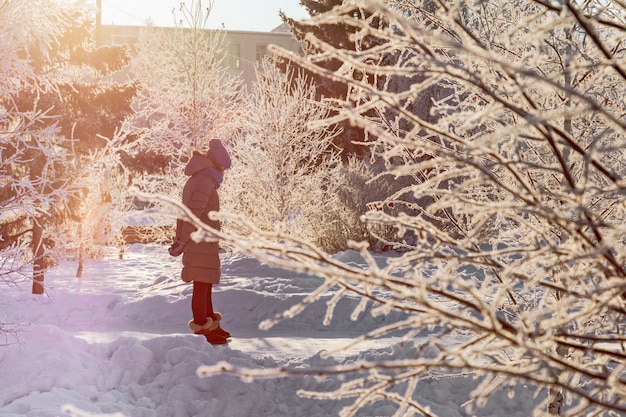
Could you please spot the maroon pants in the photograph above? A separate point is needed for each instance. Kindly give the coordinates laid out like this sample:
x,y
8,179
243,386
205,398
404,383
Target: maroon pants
x,y
201,302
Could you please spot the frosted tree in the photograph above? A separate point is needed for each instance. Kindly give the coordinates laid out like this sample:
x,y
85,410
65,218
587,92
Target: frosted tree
x,y
27,139
509,118
91,110
286,177
84,110
58,116
190,95
30,149
186,98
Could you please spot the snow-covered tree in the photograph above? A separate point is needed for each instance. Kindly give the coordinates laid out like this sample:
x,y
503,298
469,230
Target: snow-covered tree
x,y
186,98
517,171
91,110
187,95
57,113
285,175
29,146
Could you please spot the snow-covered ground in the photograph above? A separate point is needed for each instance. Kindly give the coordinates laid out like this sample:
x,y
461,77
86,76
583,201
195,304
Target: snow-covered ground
x,y
116,342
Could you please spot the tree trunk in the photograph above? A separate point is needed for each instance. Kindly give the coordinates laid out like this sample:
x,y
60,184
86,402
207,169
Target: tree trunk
x,y
39,265
555,406
81,252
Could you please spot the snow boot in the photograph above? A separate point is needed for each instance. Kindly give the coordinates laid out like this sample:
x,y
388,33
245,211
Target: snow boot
x,y
219,330
208,330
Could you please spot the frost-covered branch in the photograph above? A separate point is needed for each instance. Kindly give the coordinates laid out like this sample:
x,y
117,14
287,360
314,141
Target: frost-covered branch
x,y
508,120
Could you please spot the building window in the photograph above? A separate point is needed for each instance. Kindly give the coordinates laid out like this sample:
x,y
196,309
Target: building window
x,y
234,56
261,51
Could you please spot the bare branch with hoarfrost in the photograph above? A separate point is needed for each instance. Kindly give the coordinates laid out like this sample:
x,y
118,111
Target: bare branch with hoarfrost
x,y
509,120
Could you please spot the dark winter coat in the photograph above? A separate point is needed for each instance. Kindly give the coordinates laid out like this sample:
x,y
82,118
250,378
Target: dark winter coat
x,y
201,260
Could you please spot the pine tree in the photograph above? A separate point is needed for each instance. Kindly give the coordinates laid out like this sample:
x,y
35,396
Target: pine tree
x,y
338,36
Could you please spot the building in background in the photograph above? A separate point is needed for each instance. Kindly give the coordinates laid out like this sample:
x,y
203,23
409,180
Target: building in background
x,y
245,49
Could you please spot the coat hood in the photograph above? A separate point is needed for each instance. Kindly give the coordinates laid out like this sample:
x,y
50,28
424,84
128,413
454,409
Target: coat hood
x,y
197,163
219,155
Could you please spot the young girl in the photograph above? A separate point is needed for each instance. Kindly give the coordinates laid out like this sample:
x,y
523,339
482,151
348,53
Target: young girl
x,y
201,262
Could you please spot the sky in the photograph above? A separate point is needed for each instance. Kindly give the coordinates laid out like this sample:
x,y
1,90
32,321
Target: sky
x,y
250,15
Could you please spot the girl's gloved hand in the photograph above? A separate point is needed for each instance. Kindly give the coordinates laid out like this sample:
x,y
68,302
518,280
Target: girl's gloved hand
x,y
176,249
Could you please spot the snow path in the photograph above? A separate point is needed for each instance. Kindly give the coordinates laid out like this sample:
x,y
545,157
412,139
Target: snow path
x,y
280,348
116,342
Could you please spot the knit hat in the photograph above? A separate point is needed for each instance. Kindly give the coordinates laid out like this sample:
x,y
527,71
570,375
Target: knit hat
x,y
218,154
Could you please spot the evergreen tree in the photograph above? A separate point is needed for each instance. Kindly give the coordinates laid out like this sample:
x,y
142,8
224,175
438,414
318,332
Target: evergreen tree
x,y
337,36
